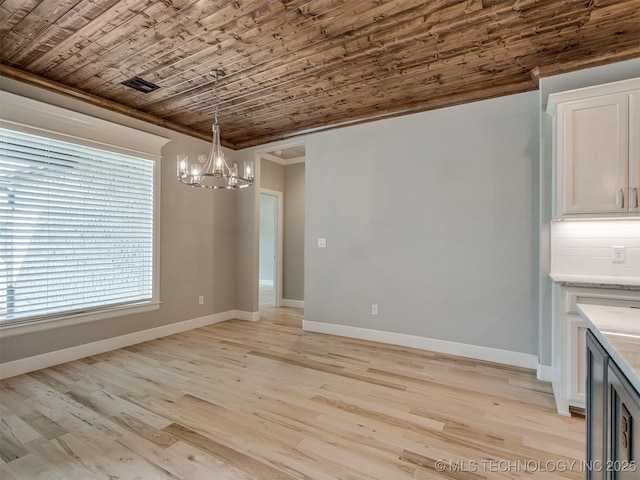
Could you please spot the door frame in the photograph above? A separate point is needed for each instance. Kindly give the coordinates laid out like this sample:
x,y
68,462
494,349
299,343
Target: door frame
x,y
279,240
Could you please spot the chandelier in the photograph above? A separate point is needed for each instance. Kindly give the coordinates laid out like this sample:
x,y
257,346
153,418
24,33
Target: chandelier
x,y
212,171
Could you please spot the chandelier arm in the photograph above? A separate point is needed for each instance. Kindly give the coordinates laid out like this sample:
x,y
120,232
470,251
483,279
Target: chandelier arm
x,y
228,177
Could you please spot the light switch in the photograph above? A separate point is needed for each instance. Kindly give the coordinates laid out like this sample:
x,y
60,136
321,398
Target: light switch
x,y
322,243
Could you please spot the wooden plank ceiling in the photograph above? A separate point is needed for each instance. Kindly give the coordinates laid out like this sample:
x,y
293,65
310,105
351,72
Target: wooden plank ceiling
x,y
295,66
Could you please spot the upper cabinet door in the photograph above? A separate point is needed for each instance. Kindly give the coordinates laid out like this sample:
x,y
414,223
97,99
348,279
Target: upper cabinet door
x,y
593,147
634,152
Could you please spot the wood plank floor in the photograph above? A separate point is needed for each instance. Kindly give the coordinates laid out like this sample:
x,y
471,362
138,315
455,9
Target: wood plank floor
x,y
264,400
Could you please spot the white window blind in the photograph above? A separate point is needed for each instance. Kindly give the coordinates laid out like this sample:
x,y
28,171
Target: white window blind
x,y
76,229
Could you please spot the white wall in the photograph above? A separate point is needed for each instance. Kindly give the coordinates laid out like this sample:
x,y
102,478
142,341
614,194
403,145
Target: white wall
x,y
584,247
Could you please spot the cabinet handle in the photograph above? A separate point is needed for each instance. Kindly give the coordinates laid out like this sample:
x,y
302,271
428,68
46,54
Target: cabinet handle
x,y
635,197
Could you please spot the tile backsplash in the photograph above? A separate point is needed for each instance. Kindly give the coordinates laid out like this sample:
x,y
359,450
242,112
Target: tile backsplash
x,y
584,247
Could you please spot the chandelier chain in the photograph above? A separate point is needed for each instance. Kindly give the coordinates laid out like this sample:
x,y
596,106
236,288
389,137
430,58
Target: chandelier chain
x,y
216,95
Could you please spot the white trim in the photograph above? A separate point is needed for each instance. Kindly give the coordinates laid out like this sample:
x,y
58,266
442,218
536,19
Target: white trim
x,y
477,352
32,116
282,161
279,239
157,214
57,322
49,359
35,117
623,86
246,316
292,303
544,373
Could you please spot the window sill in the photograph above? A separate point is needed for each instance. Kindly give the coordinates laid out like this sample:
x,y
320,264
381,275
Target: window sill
x,y
66,321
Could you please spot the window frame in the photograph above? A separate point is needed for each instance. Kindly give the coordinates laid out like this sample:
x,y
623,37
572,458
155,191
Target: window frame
x,y
31,116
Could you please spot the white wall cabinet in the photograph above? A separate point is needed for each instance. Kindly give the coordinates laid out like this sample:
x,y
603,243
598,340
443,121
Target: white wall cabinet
x,y
569,354
634,152
597,149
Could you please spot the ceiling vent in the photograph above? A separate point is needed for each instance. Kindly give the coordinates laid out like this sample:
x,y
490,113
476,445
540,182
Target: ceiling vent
x,y
141,85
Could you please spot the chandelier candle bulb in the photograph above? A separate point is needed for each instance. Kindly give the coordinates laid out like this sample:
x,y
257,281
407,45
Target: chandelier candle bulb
x,y
182,166
233,175
213,171
218,170
248,169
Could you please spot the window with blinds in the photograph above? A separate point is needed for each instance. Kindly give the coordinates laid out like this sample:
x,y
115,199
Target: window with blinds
x,y
76,229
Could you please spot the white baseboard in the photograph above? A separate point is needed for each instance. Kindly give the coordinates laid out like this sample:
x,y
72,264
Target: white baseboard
x,y
292,303
247,316
49,359
477,352
545,373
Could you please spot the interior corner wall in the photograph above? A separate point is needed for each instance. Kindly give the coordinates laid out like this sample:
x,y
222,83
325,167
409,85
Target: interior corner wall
x,y
559,83
433,217
289,179
268,234
197,246
294,220
271,175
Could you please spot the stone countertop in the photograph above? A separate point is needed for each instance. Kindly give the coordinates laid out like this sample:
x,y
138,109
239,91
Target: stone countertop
x,y
596,281
618,330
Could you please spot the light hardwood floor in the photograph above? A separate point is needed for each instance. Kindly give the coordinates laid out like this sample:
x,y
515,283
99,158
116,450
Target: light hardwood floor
x,y
264,400
267,297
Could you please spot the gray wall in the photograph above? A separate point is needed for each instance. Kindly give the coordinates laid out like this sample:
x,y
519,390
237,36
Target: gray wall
x,y
549,85
268,214
437,217
271,175
289,179
197,246
432,216
294,215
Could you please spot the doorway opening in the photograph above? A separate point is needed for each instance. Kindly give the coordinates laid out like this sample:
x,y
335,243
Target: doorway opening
x,y
281,227
270,266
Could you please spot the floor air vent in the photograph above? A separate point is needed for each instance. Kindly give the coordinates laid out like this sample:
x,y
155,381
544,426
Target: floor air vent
x,y
141,85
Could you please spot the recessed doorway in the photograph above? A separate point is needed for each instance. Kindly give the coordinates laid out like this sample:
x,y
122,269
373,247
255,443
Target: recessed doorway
x,y
270,266
281,227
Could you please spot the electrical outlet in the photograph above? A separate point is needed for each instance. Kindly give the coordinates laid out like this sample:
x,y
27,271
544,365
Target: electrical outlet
x,y
322,243
617,254
201,300
374,309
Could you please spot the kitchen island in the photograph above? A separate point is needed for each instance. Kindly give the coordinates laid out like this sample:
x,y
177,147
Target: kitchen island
x,y
613,383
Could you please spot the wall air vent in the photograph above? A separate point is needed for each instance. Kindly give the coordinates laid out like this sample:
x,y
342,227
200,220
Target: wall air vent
x,y
141,85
